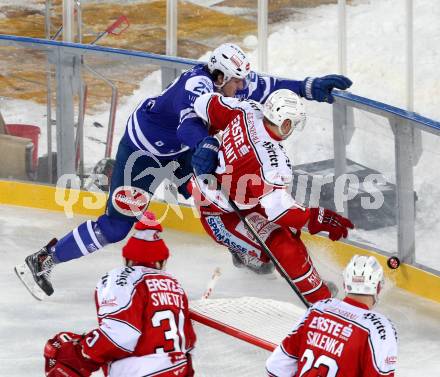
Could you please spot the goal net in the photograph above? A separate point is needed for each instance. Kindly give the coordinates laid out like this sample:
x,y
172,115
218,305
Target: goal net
x,y
236,336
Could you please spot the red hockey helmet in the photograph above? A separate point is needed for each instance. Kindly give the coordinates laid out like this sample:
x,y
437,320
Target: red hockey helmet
x,y
146,245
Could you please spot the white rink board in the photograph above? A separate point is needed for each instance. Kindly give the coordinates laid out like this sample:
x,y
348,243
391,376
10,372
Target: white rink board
x,y
26,324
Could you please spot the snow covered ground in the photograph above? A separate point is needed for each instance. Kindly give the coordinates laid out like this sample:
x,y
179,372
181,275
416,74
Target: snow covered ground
x,y
26,324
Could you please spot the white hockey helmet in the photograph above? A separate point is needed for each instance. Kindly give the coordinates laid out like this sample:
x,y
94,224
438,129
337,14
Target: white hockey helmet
x,y
363,276
230,60
284,104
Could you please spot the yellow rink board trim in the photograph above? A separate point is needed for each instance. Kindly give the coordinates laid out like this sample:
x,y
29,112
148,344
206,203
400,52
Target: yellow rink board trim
x,y
89,204
185,218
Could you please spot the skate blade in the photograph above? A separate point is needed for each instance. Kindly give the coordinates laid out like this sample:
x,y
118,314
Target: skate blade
x,y
25,275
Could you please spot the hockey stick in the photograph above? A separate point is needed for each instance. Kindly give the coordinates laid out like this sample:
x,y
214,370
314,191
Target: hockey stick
x,y
212,283
116,28
264,247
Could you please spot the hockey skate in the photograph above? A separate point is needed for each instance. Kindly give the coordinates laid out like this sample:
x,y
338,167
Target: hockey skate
x,y
35,272
236,261
263,269
253,264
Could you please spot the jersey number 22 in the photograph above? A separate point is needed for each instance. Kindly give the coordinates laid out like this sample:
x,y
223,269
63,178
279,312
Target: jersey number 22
x,y
324,366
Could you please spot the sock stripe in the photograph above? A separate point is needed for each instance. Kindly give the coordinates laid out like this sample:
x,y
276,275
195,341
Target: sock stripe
x,y
79,242
93,235
302,277
313,289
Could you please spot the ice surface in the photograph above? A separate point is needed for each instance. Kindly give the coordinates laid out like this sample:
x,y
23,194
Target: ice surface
x,y
25,324
376,65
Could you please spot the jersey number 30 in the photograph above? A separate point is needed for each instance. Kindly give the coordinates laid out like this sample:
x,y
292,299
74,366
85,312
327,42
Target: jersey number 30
x,y
324,366
176,331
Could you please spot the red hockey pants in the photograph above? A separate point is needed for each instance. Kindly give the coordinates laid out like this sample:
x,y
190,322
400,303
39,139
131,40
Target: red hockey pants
x,y
288,249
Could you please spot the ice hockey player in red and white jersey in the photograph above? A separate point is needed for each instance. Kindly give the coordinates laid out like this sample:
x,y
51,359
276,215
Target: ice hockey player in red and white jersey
x,y
253,167
341,338
144,326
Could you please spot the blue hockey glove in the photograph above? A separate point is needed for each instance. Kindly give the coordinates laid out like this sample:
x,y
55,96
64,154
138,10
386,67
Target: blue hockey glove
x,y
320,88
205,156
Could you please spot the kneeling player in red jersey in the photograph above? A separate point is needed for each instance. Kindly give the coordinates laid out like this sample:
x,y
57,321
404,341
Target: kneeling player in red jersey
x,y
144,326
251,164
341,338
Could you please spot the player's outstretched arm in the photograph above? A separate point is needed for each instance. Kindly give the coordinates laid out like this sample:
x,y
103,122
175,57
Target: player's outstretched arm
x,y
260,86
311,88
282,209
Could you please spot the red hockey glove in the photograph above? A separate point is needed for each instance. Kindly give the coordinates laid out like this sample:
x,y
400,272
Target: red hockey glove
x,y
176,357
325,220
64,357
60,370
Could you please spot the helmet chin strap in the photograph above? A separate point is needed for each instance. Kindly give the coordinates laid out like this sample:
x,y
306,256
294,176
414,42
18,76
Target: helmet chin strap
x,y
376,296
219,87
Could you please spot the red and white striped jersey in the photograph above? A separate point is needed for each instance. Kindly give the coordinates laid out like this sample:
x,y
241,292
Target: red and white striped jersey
x,y
337,339
253,166
141,312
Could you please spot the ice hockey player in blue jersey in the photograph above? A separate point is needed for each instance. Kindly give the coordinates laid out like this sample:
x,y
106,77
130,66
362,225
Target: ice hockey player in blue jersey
x,y
158,144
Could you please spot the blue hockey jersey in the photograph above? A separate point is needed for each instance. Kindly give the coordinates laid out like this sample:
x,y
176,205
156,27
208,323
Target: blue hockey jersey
x,y
167,125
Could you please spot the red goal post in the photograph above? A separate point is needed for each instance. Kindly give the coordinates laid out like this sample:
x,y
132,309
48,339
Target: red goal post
x,y
230,330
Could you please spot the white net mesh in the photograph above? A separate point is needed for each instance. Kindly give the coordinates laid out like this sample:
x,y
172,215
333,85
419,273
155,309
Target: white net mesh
x,y
220,354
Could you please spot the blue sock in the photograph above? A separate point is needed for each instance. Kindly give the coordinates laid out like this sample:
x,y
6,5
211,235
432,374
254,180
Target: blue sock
x,y
89,237
81,241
